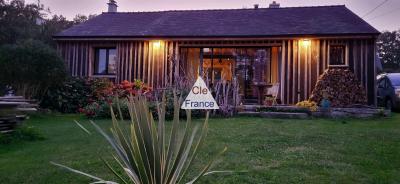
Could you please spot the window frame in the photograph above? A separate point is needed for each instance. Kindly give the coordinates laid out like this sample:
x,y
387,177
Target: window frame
x,y
96,61
345,55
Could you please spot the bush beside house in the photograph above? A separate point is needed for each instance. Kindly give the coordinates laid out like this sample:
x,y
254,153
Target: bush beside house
x,y
68,96
30,68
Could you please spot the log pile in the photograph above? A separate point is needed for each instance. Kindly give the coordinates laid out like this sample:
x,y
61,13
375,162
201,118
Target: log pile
x,y
12,112
341,87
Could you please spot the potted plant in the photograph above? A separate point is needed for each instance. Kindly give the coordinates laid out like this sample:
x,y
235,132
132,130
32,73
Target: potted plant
x,y
269,101
325,102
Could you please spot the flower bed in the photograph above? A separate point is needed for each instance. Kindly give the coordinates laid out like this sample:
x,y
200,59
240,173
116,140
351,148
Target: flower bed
x,y
106,94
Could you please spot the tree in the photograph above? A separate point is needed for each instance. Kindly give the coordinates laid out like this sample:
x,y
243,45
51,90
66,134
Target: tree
x,y
18,21
53,26
82,18
389,50
27,63
30,67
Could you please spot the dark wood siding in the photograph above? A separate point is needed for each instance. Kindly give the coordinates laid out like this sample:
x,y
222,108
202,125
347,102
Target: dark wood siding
x,y
135,59
302,65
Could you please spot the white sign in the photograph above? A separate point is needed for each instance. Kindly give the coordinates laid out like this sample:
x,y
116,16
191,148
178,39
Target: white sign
x,y
199,97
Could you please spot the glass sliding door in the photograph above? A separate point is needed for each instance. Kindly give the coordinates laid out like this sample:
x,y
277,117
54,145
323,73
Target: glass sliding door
x,y
251,70
218,64
251,66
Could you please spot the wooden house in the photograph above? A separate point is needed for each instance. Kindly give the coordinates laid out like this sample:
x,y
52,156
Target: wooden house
x,y
291,46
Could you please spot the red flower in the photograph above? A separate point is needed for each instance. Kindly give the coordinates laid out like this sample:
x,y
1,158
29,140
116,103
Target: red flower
x,y
81,110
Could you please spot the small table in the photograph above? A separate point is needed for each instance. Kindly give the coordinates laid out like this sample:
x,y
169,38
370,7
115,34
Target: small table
x,y
260,86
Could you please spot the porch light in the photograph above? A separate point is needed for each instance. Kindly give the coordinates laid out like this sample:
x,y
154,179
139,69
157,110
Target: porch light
x,y
306,42
157,44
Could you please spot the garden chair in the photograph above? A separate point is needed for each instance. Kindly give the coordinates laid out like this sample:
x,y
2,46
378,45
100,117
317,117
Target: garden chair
x,y
273,92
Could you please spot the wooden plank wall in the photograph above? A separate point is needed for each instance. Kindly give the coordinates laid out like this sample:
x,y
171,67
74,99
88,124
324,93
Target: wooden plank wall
x,y
302,65
144,60
76,56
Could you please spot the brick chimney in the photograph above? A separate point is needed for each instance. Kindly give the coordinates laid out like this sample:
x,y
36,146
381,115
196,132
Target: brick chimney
x,y
274,5
256,6
112,6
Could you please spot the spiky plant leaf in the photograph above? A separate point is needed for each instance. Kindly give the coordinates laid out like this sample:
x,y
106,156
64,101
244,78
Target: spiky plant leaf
x,y
143,150
98,180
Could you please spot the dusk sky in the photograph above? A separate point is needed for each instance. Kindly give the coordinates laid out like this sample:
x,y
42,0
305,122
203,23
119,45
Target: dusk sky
x,y
385,17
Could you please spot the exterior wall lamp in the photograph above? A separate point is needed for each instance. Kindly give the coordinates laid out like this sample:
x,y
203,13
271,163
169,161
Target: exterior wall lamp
x,y
306,42
157,44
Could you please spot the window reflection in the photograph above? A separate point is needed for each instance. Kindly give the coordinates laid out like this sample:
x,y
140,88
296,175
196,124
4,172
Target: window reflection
x,y
112,61
105,61
337,55
250,66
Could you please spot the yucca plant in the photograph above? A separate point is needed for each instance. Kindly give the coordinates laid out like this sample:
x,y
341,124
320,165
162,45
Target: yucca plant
x,y
146,153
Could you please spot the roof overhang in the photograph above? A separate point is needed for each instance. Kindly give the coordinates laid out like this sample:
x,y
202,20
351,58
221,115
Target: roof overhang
x,y
250,37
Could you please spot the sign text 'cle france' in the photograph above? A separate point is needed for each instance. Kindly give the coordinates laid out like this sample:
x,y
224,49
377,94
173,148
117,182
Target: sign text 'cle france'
x,y
199,97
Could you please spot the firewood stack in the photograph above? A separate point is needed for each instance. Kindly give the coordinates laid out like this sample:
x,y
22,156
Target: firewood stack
x,y
13,110
342,88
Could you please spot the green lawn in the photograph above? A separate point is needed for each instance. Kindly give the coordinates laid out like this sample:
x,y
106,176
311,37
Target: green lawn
x,y
272,151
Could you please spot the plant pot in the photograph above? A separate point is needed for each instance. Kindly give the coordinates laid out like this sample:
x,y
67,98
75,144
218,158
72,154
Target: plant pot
x,y
268,102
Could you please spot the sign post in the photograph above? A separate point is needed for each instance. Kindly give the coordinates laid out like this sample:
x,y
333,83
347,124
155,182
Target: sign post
x,y
199,97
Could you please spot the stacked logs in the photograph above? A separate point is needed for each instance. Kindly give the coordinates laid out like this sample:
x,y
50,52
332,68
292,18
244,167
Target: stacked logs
x,y
341,87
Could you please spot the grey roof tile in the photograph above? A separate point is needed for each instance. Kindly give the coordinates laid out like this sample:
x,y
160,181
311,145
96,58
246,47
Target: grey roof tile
x,y
319,20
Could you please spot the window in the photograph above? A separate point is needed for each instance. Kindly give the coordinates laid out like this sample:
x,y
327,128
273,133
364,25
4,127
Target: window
x,y
105,61
337,55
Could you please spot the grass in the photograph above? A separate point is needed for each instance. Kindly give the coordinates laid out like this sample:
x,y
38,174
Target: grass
x,y
271,150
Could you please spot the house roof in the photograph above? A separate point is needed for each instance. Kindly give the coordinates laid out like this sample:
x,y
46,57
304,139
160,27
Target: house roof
x,y
261,22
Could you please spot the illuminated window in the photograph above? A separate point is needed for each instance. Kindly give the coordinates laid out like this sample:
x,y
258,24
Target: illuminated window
x,y
337,55
105,61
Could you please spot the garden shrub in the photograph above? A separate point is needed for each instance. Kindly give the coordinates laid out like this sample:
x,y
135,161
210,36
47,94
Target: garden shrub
x,y
69,96
342,88
101,109
93,97
311,105
106,94
101,89
76,93
126,88
30,68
